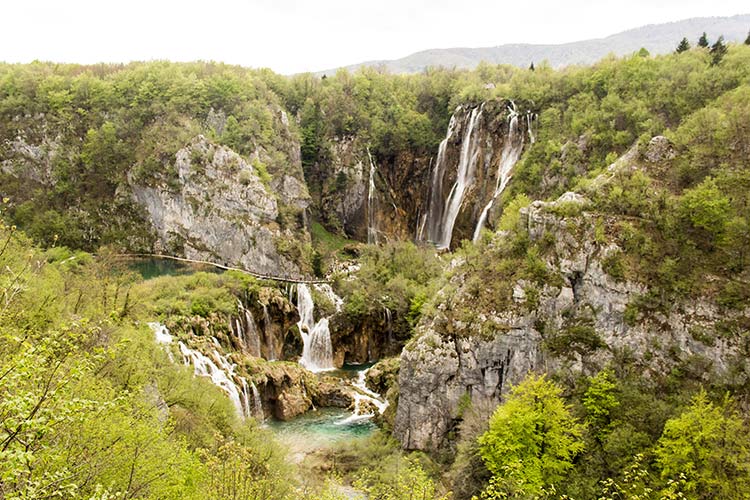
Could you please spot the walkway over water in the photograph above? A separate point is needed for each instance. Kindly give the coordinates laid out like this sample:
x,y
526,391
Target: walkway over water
x,y
283,279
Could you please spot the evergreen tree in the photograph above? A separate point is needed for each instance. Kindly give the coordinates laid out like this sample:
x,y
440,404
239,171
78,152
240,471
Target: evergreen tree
x,y
718,51
747,40
703,41
683,46
532,65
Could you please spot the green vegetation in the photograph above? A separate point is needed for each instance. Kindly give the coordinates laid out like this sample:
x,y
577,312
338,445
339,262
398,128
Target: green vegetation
x,y
531,442
91,407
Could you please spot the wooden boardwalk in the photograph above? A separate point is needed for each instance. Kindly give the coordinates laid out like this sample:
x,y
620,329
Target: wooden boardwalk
x,y
283,279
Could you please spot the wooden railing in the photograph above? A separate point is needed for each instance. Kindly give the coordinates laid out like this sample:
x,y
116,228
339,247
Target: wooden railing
x,y
283,279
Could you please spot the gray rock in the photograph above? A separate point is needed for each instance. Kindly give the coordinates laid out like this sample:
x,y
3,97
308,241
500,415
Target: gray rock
x,y
219,209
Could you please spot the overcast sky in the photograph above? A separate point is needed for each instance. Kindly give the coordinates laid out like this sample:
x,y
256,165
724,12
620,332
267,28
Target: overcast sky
x,y
292,36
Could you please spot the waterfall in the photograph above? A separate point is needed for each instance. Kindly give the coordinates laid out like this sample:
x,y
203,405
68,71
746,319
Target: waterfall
x,y
163,338
435,211
220,371
464,179
257,404
442,215
273,353
372,231
363,394
529,119
221,377
510,155
250,336
317,351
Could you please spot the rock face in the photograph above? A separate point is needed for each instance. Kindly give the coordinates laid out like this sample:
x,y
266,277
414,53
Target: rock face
x,y
218,208
449,363
402,195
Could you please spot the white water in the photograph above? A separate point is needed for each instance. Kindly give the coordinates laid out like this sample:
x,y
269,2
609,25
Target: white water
x,y
273,351
249,335
220,372
510,155
529,118
317,351
464,179
222,378
372,230
364,394
435,212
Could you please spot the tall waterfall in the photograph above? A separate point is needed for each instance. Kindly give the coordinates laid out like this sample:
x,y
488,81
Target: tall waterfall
x,y
435,212
441,230
219,369
372,230
510,155
317,351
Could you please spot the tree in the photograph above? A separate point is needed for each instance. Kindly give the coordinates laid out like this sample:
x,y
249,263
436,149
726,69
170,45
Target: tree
x,y
747,40
684,46
531,67
718,51
532,439
709,445
703,41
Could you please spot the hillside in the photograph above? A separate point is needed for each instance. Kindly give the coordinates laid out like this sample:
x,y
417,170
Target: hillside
x,y
656,38
490,283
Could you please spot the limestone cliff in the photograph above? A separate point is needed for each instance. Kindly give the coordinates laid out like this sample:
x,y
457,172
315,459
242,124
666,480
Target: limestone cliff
x,y
220,208
577,319
437,195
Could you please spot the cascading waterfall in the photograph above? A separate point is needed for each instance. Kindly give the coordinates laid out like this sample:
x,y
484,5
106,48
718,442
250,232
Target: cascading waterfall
x,y
317,351
510,155
464,179
372,230
249,334
222,374
529,119
273,353
437,203
441,228
363,394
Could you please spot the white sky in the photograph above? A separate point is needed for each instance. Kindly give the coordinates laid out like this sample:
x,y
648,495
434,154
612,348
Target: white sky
x,y
292,36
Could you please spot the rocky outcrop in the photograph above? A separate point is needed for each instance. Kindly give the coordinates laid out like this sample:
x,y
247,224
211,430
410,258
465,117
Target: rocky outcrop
x,y
577,321
219,207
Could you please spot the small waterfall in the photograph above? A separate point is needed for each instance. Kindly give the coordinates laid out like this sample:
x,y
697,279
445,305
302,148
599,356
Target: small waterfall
x,y
221,372
529,119
317,351
250,336
273,353
372,230
221,377
257,404
510,155
363,394
163,338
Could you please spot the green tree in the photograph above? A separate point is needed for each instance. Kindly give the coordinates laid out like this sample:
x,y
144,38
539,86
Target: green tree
x,y
709,444
683,46
718,51
600,400
532,439
706,212
747,40
703,41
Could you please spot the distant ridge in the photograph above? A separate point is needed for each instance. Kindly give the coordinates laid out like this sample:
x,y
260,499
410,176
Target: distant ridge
x,y
656,38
